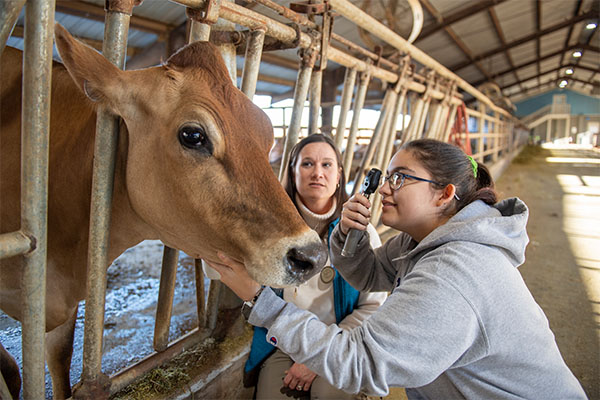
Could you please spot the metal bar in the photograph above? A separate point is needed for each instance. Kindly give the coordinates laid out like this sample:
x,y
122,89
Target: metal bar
x,y
212,304
228,50
424,114
200,293
164,305
35,133
302,83
105,149
126,376
415,120
252,62
314,107
253,20
365,21
390,98
359,102
15,243
199,32
345,102
9,13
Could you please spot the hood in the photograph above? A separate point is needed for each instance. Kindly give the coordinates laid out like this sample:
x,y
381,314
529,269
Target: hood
x,y
502,225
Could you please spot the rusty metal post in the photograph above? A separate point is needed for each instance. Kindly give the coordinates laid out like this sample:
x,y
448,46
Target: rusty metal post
x,y
388,102
35,133
9,13
302,83
164,305
200,293
388,152
252,62
228,50
212,304
107,131
449,122
314,107
359,102
345,102
15,243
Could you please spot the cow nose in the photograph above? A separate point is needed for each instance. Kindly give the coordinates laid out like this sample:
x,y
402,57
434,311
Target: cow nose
x,y
306,261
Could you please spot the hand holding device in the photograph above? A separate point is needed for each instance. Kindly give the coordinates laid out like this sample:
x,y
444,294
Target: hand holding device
x,y
370,184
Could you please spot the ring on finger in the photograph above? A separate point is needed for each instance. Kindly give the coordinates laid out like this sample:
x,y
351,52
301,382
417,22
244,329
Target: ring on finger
x,y
299,387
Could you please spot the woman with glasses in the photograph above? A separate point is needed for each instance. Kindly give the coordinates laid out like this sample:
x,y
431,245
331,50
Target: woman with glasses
x,y
459,322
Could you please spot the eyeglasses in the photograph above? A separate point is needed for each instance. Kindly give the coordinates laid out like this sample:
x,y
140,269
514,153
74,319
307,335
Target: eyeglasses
x,y
396,181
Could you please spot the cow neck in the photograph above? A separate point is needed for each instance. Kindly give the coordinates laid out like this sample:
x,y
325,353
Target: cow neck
x,y
317,222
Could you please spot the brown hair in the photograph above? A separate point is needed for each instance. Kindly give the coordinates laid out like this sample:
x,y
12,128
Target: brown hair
x,y
289,183
448,164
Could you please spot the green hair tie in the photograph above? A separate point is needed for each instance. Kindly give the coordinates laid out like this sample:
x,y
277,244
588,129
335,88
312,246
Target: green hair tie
x,y
473,165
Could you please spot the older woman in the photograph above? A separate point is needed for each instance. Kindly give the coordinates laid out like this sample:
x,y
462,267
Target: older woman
x,y
314,180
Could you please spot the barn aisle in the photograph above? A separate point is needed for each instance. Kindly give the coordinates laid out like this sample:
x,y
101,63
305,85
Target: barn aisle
x,y
561,186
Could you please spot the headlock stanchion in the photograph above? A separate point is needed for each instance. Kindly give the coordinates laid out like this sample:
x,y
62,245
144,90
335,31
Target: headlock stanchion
x,y
311,32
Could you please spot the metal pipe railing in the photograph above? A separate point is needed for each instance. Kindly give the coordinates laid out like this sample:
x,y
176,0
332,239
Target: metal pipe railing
x,y
314,107
105,149
388,101
9,13
166,291
35,134
367,22
345,102
252,62
300,92
359,102
15,243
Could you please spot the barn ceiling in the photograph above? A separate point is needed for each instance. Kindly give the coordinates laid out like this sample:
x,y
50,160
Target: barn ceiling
x,y
524,47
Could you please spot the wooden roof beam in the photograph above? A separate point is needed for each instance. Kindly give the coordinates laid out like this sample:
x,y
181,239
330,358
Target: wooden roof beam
x,y
538,27
539,75
533,36
528,63
500,34
443,22
570,32
461,45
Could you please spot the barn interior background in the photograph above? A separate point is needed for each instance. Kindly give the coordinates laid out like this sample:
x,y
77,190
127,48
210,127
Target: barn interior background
x,y
488,75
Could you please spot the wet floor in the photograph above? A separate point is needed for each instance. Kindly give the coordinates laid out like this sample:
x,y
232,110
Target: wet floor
x,y
132,292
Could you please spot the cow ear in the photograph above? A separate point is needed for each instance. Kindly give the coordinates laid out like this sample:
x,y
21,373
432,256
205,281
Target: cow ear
x,y
99,79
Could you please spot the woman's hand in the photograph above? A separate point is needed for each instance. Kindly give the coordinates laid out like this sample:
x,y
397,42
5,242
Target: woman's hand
x,y
299,377
356,213
235,275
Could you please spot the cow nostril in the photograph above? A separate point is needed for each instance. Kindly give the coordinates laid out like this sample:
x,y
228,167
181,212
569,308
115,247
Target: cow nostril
x,y
304,262
298,263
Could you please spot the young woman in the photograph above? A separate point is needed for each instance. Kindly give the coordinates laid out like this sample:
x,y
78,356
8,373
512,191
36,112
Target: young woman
x,y
459,322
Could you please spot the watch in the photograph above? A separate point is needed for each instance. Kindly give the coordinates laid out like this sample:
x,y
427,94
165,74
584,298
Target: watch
x,y
248,305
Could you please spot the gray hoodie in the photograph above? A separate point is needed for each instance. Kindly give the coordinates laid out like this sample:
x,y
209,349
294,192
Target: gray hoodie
x,y
459,323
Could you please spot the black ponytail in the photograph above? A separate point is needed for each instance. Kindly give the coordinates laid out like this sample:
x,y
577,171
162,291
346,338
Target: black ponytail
x,y
448,164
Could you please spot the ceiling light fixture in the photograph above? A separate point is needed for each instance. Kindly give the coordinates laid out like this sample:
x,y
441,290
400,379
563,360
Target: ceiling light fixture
x,y
577,54
569,71
591,25
563,83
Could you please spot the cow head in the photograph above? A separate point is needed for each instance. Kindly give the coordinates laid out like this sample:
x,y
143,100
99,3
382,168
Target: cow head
x,y
197,166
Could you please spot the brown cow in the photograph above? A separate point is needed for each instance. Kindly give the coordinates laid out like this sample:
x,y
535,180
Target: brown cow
x,y
192,170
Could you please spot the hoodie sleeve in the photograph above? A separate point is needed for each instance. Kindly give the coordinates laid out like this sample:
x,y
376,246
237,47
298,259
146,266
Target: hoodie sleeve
x,y
369,270
423,328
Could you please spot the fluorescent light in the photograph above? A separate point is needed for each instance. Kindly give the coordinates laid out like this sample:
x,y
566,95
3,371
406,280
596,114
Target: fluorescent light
x,y
569,71
576,54
591,25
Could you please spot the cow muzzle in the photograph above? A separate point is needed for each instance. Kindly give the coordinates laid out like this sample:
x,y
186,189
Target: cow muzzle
x,y
303,262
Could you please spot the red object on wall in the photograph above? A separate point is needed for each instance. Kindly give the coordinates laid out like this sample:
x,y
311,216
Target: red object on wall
x,y
461,126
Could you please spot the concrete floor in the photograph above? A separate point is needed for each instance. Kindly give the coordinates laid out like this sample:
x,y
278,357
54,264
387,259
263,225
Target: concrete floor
x,y
561,186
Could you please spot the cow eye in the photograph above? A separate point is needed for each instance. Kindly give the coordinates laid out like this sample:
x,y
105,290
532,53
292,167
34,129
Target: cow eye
x,y
194,137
